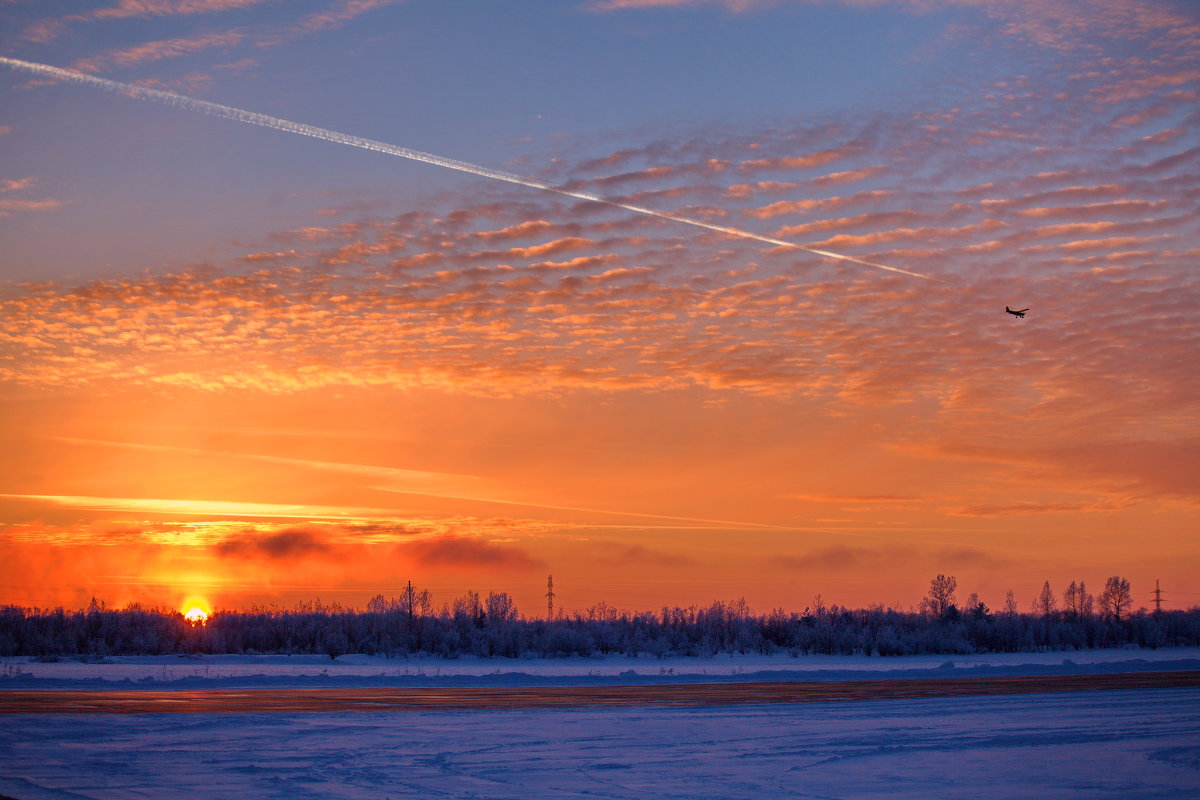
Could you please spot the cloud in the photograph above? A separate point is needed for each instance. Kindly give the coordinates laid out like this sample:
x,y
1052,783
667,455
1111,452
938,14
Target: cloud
x,y
1060,25
808,205
43,31
160,50
500,293
843,558
335,15
285,545
11,203
206,508
857,499
838,558
848,176
807,161
970,557
164,8
47,30
339,13
463,552
735,6
521,230
1024,509
1112,208
622,554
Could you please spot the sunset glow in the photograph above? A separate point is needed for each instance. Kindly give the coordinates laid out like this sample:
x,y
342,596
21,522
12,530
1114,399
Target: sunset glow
x,y
196,615
269,369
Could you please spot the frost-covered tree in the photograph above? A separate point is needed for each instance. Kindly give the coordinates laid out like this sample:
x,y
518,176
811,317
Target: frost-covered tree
x,y
500,607
941,595
1116,597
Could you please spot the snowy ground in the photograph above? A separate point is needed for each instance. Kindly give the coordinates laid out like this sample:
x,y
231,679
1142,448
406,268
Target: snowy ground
x,y
192,672
1141,744
1113,744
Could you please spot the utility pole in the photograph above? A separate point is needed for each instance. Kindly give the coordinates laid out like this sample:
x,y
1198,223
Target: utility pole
x,y
408,601
549,597
1157,598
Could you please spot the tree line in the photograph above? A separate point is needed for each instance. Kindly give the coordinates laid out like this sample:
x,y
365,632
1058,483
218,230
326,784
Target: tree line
x,y
491,625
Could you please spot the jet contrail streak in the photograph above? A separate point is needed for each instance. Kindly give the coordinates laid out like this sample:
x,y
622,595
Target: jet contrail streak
x,y
266,121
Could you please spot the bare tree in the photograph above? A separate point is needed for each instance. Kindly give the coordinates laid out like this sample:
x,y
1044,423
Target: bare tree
x,y
1076,601
1087,603
941,595
1116,597
1010,604
1070,600
1045,603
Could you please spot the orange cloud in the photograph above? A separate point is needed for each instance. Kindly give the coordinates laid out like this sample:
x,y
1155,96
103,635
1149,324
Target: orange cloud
x,y
808,161
823,204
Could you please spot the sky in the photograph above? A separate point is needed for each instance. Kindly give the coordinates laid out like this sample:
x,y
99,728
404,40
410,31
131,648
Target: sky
x,y
253,368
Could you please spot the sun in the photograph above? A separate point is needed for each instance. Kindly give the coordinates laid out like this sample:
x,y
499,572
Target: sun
x,y
195,611
196,615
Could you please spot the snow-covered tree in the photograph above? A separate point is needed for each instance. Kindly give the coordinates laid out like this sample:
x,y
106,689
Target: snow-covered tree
x,y
1116,597
941,595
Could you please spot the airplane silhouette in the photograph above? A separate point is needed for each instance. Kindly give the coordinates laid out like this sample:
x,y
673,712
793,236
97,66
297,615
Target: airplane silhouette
x,y
1020,313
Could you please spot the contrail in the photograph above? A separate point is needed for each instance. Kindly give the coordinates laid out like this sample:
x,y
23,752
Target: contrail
x,y
266,121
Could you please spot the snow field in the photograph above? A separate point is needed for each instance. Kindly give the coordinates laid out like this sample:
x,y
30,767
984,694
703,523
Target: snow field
x,y
1113,744
1093,745
160,672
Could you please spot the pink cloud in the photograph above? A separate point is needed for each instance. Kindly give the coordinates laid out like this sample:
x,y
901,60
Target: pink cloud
x,y
812,205
160,50
339,13
164,8
11,203
808,161
848,176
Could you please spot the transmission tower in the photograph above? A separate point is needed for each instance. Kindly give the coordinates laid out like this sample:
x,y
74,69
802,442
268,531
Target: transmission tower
x,y
549,597
1157,597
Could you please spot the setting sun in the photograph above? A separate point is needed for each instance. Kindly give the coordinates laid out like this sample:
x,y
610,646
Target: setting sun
x,y
196,615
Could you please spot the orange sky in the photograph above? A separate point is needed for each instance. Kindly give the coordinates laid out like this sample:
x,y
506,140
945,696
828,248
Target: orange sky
x,y
472,385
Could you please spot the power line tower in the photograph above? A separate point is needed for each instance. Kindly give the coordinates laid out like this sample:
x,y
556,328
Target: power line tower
x,y
1157,598
550,597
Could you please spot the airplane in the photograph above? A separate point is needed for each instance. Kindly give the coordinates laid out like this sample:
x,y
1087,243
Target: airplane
x,y
1020,313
